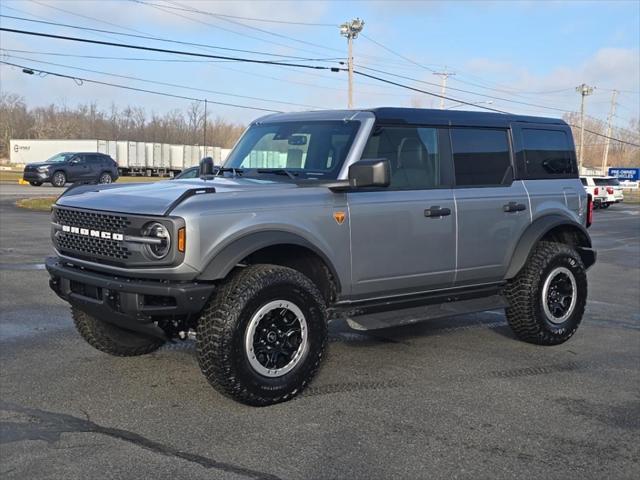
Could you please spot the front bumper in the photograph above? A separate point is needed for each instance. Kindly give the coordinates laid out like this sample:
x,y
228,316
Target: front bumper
x,y
36,176
129,303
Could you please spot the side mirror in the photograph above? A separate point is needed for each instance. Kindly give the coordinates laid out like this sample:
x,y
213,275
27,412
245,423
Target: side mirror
x,y
74,161
370,173
206,167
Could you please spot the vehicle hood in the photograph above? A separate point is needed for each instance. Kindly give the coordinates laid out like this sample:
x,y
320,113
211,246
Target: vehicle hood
x,y
42,164
158,198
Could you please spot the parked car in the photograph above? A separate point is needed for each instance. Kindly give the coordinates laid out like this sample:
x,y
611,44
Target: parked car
x,y
380,217
191,172
598,193
72,167
612,188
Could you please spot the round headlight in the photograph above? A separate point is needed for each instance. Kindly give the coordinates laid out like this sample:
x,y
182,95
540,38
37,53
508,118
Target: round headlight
x,y
160,239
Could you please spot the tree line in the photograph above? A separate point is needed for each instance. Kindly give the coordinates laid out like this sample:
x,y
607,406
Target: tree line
x,y
88,121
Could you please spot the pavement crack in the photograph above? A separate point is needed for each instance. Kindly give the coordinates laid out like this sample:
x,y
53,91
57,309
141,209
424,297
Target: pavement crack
x,y
36,424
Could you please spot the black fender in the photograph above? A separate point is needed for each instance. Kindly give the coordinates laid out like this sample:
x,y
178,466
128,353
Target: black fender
x,y
538,229
232,254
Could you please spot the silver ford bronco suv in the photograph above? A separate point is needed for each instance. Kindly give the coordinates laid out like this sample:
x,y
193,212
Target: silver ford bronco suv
x,y
379,217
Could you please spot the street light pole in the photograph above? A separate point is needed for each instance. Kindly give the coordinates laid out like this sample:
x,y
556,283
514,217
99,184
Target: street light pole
x,y
351,30
584,90
204,134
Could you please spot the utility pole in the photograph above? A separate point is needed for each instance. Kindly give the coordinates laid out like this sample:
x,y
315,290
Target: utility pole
x,y
612,113
584,90
443,84
351,30
204,133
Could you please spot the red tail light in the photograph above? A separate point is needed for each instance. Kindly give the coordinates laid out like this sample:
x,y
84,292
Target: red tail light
x,y
610,190
595,191
589,210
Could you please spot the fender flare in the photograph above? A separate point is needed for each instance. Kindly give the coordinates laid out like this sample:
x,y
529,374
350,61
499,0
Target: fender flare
x,y
536,230
230,255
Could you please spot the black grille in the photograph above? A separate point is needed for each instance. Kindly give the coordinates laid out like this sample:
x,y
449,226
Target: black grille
x,y
92,246
88,246
91,220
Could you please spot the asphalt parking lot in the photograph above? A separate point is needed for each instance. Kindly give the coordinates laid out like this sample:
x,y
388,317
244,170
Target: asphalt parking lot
x,y
451,398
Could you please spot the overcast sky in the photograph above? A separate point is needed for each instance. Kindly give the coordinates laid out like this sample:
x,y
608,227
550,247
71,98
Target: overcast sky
x,y
533,52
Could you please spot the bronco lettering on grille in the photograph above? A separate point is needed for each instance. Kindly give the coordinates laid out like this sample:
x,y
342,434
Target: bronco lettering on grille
x,y
93,233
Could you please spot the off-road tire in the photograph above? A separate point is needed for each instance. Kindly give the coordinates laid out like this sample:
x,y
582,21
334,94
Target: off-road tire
x,y
58,179
525,313
110,339
35,184
223,324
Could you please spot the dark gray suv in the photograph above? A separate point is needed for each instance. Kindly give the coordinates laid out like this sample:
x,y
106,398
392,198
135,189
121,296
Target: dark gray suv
x,y
90,167
378,217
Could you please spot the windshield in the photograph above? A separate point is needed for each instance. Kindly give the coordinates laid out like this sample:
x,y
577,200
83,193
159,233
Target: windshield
x,y
303,149
60,157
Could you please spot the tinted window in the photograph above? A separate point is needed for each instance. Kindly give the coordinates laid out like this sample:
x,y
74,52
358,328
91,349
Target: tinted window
x,y
547,153
606,182
481,156
584,181
93,159
414,155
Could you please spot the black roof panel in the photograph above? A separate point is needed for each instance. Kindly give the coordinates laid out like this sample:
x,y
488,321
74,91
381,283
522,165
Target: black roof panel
x,y
456,117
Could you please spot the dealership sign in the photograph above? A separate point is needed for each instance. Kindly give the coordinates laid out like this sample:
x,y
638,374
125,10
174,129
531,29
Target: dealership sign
x,y
628,174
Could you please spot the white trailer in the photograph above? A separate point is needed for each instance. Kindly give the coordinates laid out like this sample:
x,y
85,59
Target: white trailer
x,y
176,162
108,147
29,151
134,158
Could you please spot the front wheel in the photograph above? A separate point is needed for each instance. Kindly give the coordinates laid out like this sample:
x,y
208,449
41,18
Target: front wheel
x,y
59,179
262,336
548,296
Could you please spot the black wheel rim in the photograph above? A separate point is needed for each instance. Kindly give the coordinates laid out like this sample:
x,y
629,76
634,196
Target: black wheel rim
x,y
559,295
276,338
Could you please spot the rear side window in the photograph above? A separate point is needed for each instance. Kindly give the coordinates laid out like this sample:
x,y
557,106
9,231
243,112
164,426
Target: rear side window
x,y
93,159
481,157
584,181
547,153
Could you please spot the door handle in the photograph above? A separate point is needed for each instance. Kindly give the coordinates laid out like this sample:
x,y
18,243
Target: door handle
x,y
436,212
514,207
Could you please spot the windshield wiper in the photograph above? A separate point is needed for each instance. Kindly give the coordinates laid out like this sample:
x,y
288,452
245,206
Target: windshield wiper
x,y
234,171
278,171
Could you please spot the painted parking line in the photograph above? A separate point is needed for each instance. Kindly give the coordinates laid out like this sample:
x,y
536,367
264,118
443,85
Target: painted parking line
x,y
22,266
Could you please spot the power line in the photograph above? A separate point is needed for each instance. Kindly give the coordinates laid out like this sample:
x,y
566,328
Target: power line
x,y
265,20
220,17
465,91
390,82
160,39
103,57
164,8
80,80
166,84
606,136
163,50
397,54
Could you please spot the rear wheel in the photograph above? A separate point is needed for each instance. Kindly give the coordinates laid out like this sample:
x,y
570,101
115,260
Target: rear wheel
x,y
35,184
59,179
262,336
105,177
548,296
111,339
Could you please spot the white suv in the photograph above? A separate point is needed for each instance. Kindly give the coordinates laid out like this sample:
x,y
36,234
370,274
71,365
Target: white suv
x,y
611,187
598,193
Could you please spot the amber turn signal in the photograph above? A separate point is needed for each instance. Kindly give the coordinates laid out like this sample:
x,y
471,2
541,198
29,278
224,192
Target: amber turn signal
x,y
182,239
